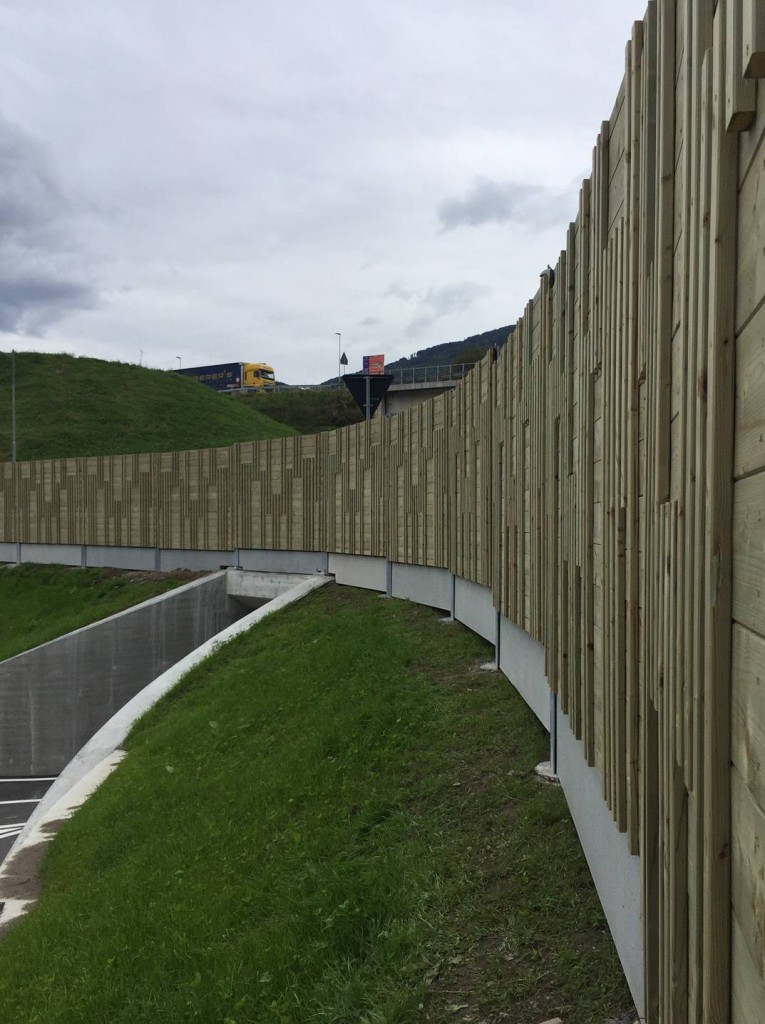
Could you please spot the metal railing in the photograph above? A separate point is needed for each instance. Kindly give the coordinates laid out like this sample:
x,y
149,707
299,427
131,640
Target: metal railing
x,y
443,374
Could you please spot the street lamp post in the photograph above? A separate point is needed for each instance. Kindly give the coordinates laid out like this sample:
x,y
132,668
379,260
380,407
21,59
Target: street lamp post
x,y
179,361
339,346
13,405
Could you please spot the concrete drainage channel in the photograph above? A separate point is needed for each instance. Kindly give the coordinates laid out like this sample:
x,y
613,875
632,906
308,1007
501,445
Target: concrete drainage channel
x,y
66,706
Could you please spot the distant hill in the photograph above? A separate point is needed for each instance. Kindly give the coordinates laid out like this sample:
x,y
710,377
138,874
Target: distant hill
x,y
445,354
68,406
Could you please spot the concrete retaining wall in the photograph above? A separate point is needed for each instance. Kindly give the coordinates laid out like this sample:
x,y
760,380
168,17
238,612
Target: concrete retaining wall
x,y
54,697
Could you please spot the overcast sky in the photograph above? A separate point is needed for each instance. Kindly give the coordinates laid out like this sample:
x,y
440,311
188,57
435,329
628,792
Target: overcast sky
x,y
241,179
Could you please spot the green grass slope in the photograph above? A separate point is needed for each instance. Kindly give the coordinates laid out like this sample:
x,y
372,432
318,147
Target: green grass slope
x,y
334,819
68,406
306,411
42,602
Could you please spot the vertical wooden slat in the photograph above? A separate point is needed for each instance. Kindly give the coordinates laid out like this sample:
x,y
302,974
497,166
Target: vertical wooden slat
x,y
719,498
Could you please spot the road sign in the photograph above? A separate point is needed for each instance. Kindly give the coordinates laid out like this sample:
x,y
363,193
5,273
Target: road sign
x,y
368,390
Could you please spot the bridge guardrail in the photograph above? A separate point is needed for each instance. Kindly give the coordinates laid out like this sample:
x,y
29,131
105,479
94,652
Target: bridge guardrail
x,y
445,373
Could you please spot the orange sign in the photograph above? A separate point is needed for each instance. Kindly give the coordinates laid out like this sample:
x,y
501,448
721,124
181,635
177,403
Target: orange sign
x,y
374,364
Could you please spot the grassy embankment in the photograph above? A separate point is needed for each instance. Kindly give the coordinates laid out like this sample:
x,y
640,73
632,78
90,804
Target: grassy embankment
x,y
335,819
308,412
42,602
68,407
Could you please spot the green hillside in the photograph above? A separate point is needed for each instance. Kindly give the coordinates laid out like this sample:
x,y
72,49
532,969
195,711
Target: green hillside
x,y
68,406
307,411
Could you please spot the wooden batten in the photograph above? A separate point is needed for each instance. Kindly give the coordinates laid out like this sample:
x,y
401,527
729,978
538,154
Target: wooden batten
x,y
753,39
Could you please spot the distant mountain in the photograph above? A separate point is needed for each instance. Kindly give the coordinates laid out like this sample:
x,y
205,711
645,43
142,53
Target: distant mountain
x,y
445,354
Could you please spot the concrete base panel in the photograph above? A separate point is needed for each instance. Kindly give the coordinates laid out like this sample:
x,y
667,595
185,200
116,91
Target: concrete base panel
x,y
615,871
170,559
474,607
8,552
52,554
522,660
359,571
423,584
145,559
141,559
284,561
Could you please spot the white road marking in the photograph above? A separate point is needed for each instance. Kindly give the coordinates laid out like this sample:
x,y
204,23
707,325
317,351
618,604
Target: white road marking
x,y
6,831
32,778
31,800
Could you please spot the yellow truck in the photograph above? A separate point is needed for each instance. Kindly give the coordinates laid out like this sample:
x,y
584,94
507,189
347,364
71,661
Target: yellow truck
x,y
233,376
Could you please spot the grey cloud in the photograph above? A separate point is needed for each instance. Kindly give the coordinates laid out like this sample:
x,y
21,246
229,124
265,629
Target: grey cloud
x,y
30,199
29,304
39,280
498,202
448,300
370,321
398,291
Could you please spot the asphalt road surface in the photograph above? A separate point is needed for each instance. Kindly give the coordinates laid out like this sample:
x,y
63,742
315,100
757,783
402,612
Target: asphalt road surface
x,y
18,798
